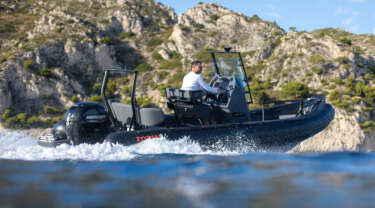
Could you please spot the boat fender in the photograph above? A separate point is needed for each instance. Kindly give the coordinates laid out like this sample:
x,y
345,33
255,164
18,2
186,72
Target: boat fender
x,y
73,126
59,130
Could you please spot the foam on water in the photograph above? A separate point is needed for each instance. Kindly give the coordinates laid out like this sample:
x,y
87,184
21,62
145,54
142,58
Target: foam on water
x,y
18,146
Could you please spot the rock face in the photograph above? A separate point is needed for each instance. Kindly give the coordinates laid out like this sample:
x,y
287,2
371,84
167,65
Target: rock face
x,y
214,26
343,134
57,57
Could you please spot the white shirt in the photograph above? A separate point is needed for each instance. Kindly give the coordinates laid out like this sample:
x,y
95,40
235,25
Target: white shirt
x,y
194,81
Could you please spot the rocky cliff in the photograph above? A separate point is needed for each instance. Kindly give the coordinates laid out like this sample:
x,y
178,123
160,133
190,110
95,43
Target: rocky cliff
x,y
53,53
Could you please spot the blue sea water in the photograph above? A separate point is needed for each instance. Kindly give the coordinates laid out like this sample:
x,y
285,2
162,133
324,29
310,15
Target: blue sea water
x,y
159,173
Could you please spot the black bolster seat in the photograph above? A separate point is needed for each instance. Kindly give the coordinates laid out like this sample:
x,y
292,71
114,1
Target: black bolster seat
x,y
148,116
187,96
188,104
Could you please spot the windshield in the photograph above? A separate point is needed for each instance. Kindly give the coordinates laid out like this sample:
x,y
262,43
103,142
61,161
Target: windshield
x,y
228,65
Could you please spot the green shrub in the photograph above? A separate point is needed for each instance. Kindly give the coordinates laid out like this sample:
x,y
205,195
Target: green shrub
x,y
259,94
70,21
154,41
33,121
368,109
212,34
203,55
345,40
317,70
126,35
60,29
144,101
255,18
198,26
368,126
161,89
76,37
316,59
368,77
321,34
185,28
74,99
343,60
359,89
126,90
17,121
174,63
356,100
214,17
46,72
2,59
95,98
347,91
162,75
144,67
11,123
338,81
176,79
358,50
277,42
157,57
106,40
249,53
251,71
334,95
27,65
343,104
97,87
111,88
50,110
324,82
331,86
294,90
369,93
7,114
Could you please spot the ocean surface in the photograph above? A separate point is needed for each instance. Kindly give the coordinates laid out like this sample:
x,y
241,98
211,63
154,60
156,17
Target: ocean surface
x,y
160,173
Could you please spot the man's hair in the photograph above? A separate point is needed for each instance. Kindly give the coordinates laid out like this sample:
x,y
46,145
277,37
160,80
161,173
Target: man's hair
x,y
194,63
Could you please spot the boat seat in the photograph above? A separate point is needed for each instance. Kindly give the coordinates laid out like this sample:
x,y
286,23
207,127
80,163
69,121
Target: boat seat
x,y
151,116
189,96
148,116
122,112
188,104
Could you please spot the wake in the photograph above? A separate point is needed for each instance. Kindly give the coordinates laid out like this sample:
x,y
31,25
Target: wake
x,y
19,146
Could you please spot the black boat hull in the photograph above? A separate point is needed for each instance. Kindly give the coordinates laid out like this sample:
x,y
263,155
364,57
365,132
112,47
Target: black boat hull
x,y
261,134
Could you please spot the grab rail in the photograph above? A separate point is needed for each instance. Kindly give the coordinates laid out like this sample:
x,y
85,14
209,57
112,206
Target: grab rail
x,y
301,104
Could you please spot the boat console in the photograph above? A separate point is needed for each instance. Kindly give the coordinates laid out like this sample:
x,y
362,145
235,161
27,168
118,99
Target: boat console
x,y
228,106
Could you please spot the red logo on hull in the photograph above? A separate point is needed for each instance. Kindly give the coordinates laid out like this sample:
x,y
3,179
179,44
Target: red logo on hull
x,y
143,138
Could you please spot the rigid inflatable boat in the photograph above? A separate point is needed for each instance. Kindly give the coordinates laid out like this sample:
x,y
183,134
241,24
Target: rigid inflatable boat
x,y
223,120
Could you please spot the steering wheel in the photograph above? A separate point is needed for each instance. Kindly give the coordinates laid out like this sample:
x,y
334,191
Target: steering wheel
x,y
221,97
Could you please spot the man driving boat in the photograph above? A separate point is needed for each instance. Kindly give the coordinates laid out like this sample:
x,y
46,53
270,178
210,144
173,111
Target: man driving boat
x,y
194,81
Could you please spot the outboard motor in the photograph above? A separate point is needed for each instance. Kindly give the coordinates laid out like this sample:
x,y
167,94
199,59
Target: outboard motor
x,y
59,130
84,122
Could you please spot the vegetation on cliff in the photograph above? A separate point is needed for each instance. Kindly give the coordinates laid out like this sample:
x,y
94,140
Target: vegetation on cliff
x,y
60,49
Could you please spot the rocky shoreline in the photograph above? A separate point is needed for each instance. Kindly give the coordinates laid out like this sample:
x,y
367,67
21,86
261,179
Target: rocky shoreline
x,y
349,137
60,56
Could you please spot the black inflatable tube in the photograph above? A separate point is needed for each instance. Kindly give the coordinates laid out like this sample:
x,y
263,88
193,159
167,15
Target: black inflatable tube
x,y
263,134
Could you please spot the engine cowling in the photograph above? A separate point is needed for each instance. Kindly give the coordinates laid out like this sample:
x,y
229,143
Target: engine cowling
x,y
86,122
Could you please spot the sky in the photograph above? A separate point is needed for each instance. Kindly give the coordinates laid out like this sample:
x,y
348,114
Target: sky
x,y
356,16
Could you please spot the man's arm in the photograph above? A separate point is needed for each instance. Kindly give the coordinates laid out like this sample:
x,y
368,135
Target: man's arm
x,y
206,87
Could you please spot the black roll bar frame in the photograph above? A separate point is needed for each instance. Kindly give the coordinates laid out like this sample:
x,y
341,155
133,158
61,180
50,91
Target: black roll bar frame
x,y
115,123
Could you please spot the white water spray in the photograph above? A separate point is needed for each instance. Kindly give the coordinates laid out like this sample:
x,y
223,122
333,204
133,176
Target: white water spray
x,y
19,146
